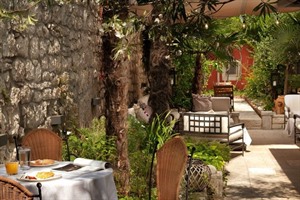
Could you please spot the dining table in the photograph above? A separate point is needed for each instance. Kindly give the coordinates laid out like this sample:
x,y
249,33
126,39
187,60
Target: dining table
x,y
69,185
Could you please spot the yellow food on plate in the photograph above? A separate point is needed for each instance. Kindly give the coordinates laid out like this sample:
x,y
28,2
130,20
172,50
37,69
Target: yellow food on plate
x,y
48,161
44,175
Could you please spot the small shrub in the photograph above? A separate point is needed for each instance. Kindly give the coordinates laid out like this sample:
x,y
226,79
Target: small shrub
x,y
139,158
142,139
210,152
93,143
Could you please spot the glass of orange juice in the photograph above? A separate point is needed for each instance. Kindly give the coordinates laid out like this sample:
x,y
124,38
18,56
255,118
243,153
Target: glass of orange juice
x,y
12,167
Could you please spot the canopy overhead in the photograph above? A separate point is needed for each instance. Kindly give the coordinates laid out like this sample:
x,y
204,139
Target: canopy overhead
x,y
241,7
230,9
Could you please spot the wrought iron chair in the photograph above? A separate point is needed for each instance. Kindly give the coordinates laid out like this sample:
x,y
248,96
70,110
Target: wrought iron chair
x,y
44,144
291,107
12,190
296,128
171,163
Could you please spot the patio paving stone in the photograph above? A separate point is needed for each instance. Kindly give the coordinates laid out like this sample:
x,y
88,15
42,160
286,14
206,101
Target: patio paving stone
x,y
270,169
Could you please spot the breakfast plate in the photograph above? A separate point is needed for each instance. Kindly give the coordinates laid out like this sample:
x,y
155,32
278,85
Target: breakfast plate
x,y
43,163
39,176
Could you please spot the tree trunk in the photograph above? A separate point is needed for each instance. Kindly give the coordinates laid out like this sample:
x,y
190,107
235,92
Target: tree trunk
x,y
197,84
160,85
116,107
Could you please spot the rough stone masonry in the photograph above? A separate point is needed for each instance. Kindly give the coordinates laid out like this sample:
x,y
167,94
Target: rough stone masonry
x,y
51,68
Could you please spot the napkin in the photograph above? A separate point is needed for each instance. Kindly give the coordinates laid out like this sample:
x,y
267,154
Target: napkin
x,y
92,163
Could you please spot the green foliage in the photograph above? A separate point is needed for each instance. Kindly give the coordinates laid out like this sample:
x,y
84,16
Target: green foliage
x,y
141,141
126,31
286,42
21,18
140,159
24,16
160,129
215,45
184,76
185,67
259,81
210,152
294,81
276,46
93,143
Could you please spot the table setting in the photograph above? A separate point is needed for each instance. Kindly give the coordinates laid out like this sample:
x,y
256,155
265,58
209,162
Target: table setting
x,y
63,180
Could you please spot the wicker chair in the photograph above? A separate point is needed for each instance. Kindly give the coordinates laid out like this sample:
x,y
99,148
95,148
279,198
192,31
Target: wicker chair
x,y
171,163
44,144
12,190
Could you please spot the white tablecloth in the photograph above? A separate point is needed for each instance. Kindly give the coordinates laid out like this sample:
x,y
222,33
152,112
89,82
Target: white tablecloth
x,y
247,138
97,185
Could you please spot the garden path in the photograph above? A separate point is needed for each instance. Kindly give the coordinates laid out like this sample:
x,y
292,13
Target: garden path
x,y
270,169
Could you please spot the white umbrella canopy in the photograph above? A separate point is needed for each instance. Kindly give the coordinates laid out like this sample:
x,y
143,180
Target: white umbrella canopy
x,y
229,9
242,7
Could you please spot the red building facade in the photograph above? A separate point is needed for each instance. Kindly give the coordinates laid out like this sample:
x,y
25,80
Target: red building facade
x,y
236,72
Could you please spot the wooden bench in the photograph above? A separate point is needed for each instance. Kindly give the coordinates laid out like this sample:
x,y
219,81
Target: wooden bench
x,y
212,127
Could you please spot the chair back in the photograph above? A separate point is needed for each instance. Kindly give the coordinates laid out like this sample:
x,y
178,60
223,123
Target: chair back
x,y
225,91
171,163
44,144
292,102
12,190
221,104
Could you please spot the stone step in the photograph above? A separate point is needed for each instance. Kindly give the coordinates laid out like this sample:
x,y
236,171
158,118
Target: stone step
x,y
278,121
277,126
251,123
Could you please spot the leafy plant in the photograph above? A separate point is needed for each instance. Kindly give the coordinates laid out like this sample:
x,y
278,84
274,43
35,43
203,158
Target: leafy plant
x,y
210,152
294,81
276,46
141,141
184,74
93,143
160,129
140,159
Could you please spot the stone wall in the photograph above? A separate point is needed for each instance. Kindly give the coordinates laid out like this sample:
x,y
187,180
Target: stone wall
x,y
51,68
54,68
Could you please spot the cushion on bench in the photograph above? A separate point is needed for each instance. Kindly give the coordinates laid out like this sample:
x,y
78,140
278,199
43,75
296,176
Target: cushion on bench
x,y
201,103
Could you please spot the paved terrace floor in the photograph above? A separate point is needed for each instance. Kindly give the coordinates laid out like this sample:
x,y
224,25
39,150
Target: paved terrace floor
x,y
270,169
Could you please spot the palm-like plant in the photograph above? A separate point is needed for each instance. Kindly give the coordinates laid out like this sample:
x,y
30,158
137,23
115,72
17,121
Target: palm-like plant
x,y
274,45
287,43
206,44
286,46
